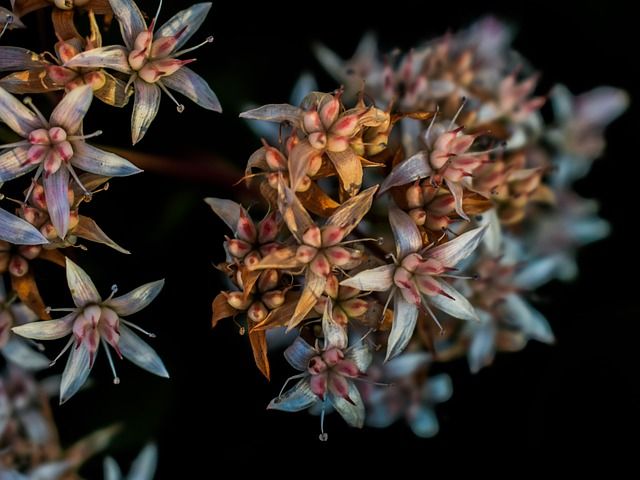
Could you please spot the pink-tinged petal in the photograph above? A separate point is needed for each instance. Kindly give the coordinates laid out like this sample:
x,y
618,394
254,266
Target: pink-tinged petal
x,y
46,329
379,279
351,212
405,232
320,265
186,22
347,368
338,386
16,58
17,116
405,316
282,258
330,110
457,191
81,286
299,353
299,397
339,256
293,213
145,108
194,87
454,303
347,164
299,160
281,112
361,356
106,164
15,163
17,351
601,106
75,372
56,193
113,57
137,351
312,291
130,19
318,384
312,237
227,210
71,110
351,407
456,250
135,300
412,169
19,232
89,230
335,335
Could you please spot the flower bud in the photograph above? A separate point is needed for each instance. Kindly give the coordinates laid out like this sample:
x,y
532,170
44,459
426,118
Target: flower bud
x,y
257,312
273,299
29,251
18,266
237,300
305,253
268,280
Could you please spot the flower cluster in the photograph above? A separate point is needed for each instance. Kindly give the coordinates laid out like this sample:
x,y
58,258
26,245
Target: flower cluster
x,y
410,212
65,172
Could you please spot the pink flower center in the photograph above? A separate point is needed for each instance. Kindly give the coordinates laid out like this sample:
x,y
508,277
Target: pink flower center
x,y
49,147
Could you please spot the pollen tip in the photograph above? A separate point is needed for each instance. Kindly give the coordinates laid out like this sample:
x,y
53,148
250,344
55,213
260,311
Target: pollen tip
x,y
116,380
323,437
180,108
210,39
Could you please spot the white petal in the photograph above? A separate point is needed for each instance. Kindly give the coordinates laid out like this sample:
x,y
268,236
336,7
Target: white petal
x,y
405,232
19,353
145,108
379,279
299,397
71,110
335,335
113,57
21,313
138,352
281,112
130,18
56,194
46,329
93,160
493,238
352,413
405,316
452,252
361,355
75,372
136,299
16,115
305,84
424,422
19,232
483,344
111,469
13,164
531,322
299,353
191,18
81,286
438,388
601,106
457,191
459,307
227,210
351,212
410,170
144,466
406,364
194,87
89,230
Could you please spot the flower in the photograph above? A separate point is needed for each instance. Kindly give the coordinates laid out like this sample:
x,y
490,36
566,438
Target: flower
x,y
56,146
327,374
8,21
151,61
142,468
94,321
413,279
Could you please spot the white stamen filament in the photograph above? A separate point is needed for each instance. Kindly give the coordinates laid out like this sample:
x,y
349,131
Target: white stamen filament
x,y
323,437
433,120
136,327
116,379
68,310
21,143
66,347
34,181
38,345
455,117
73,138
77,179
179,106
8,21
459,277
29,103
433,315
191,49
114,290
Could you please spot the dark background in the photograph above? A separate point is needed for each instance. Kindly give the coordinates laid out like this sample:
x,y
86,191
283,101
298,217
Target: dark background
x,y
578,395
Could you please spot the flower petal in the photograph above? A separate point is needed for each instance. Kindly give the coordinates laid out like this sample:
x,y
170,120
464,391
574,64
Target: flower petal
x,y
138,352
75,372
410,170
281,112
111,470
313,288
145,108
482,348
100,162
136,299
56,194
349,169
16,58
227,210
16,115
46,329
405,232
299,397
453,303
405,316
145,464
379,279
601,106
190,19
113,57
282,258
439,388
293,213
423,422
194,87
130,18
14,164
19,353
531,322
71,110
335,335
352,413
299,353
406,364
361,355
89,230
19,232
81,286
456,250
457,191
351,212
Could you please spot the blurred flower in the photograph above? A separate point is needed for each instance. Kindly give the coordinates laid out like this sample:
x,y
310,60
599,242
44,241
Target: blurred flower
x,y
142,468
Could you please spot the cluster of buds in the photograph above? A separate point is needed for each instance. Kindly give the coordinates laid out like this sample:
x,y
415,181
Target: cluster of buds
x,y
460,161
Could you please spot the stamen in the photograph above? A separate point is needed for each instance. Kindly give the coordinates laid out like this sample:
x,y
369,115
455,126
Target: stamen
x,y
66,347
9,21
191,49
433,120
460,277
136,327
433,316
463,102
179,106
116,379
154,21
377,240
73,138
67,310
371,382
34,182
386,305
324,436
114,290
29,103
38,345
21,143
73,173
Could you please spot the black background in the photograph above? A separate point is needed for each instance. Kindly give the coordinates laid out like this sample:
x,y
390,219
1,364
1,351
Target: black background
x,y
577,395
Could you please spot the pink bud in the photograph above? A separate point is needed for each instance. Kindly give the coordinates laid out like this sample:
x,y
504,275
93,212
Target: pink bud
x,y
315,162
66,51
347,368
428,285
30,214
339,256
437,223
275,159
238,248
311,121
153,71
333,356
52,162
411,262
30,251
273,299
318,384
339,386
18,266
38,197
419,216
312,237
237,300
39,137
431,266
48,231
37,154
57,134
332,287
346,125
268,229
415,198
268,280
163,46
305,253
442,205
61,75
245,229
269,248
332,235
329,111
316,366
252,260
257,312
320,265
318,140
355,307
97,80
337,144
304,184
64,150
339,316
